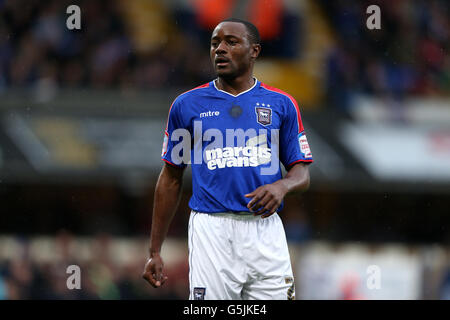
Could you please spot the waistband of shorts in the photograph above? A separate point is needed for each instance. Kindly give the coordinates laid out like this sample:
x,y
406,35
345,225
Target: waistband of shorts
x,y
233,215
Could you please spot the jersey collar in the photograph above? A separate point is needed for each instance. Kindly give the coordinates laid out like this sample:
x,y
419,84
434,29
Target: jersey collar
x,y
249,89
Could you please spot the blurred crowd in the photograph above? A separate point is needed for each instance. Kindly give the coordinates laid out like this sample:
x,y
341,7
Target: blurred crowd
x,y
24,276
38,50
145,45
111,268
407,56
123,44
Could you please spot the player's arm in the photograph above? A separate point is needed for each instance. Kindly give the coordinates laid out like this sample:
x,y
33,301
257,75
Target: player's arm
x,y
267,198
167,196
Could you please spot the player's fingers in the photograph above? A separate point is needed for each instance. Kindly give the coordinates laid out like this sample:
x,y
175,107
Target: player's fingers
x,y
268,208
156,280
163,280
255,199
261,206
150,279
256,206
158,276
272,209
153,273
253,193
266,215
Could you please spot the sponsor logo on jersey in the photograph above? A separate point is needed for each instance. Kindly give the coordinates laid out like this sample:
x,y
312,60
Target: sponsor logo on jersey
x,y
263,115
209,114
199,293
304,146
220,158
255,152
238,148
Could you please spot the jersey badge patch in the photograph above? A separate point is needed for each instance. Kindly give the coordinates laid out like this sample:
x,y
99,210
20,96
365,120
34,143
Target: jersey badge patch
x,y
199,293
304,146
263,115
166,141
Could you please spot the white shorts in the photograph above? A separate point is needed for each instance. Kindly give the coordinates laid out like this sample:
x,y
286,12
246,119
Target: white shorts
x,y
236,256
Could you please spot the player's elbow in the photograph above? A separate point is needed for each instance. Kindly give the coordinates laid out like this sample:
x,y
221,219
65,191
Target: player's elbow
x,y
307,183
305,180
300,173
170,179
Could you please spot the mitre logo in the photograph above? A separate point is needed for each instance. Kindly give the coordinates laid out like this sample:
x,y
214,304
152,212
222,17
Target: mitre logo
x,y
209,114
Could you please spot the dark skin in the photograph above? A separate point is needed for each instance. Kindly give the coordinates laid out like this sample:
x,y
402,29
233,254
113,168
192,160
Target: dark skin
x,y
233,56
167,197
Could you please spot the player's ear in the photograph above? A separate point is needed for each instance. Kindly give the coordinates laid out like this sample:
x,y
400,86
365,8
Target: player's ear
x,y
256,49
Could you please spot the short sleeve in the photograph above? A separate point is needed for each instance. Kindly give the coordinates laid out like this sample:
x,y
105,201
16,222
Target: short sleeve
x,y
294,145
172,151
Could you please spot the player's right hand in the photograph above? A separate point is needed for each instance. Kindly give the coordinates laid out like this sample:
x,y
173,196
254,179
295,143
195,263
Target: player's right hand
x,y
153,271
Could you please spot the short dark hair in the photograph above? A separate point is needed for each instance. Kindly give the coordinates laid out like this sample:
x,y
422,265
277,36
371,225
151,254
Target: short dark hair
x,y
253,33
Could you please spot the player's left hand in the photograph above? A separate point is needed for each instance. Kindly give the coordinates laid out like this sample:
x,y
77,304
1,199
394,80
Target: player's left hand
x,y
266,199
153,271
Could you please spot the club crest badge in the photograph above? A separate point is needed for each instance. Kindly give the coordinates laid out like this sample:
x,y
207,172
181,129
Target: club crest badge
x,y
199,293
263,115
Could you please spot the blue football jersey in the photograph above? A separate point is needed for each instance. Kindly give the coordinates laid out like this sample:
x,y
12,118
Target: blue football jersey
x,y
234,143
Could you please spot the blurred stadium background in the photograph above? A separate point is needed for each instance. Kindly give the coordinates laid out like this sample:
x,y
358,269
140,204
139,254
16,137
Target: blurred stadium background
x,y
81,118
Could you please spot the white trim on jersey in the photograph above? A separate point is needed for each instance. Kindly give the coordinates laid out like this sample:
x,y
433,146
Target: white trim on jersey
x,y
254,85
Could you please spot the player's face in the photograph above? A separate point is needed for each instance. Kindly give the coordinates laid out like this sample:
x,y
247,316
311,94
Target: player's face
x,y
232,54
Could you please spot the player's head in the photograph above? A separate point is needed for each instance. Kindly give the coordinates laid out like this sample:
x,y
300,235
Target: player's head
x,y
235,44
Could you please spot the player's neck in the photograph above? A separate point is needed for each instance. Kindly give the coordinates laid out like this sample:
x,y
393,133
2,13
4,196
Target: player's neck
x,y
236,85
